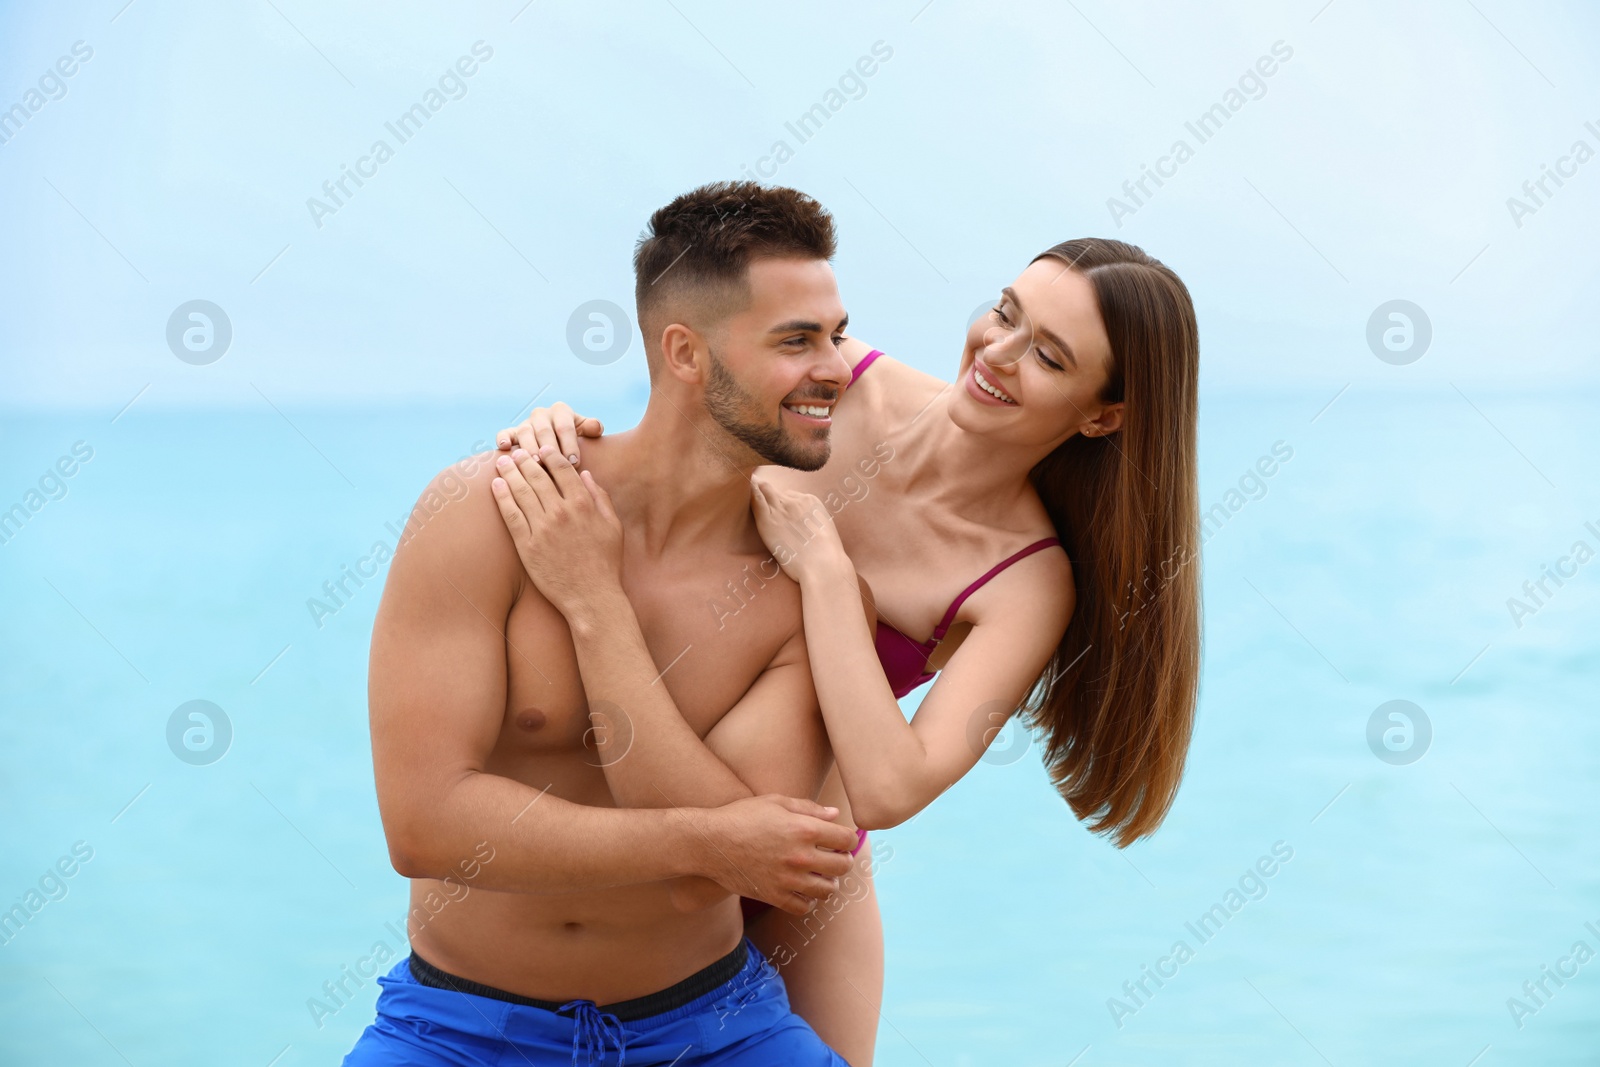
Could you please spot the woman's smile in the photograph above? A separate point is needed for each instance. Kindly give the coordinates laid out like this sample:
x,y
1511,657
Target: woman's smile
x,y
983,388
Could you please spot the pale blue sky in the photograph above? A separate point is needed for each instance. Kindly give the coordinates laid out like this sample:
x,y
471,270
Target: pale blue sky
x,y
1376,165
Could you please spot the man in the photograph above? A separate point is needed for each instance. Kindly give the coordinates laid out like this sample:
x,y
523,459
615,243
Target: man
x,y
543,917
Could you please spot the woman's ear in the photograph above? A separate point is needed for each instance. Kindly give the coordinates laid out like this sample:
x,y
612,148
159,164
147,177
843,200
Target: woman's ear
x,y
1108,421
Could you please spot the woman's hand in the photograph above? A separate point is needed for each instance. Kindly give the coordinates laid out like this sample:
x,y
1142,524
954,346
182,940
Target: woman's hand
x,y
566,532
556,426
797,529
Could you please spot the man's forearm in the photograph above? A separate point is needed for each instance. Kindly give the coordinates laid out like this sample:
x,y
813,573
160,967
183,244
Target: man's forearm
x,y
651,757
543,844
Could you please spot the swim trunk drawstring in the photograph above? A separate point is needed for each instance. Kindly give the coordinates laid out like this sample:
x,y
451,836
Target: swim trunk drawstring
x,y
592,1028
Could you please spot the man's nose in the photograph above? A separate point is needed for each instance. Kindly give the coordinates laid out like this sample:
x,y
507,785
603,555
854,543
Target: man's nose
x,y
833,368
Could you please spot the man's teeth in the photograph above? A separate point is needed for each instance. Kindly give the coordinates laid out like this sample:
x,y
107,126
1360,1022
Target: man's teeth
x,y
989,387
814,410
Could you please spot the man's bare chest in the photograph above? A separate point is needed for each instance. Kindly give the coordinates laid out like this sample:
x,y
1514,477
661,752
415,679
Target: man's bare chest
x,y
710,630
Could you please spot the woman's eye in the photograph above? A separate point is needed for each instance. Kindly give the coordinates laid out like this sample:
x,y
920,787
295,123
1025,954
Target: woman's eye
x,y
1046,360
1000,314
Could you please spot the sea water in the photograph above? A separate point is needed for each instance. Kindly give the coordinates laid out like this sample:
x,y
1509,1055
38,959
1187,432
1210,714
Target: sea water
x,y
1423,886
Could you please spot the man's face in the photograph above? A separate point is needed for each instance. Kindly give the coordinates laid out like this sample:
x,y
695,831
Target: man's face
x,y
776,371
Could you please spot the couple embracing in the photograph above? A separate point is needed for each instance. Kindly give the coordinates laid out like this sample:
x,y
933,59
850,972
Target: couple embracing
x,y
676,797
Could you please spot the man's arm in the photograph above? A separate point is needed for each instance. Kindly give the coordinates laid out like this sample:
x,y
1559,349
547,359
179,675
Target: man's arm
x,y
568,539
772,741
437,694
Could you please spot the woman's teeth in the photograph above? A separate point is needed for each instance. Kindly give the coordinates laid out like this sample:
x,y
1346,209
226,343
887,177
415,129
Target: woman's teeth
x,y
989,387
814,410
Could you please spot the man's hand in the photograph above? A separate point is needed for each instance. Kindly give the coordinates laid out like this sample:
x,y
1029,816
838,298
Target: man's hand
x,y
785,851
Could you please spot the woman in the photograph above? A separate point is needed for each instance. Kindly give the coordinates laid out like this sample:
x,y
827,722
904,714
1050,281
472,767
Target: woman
x,y
1069,435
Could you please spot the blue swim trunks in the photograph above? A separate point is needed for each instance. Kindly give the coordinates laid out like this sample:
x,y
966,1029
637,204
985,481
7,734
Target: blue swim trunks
x,y
741,1020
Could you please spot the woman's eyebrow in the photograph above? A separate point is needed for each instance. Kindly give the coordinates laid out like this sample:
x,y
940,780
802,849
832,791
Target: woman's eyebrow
x,y
1048,334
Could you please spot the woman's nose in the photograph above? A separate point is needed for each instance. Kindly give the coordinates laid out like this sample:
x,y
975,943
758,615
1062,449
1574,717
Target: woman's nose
x,y
1002,347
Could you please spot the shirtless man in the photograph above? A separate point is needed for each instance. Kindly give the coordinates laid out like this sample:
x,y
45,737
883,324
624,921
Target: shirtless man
x,y
548,920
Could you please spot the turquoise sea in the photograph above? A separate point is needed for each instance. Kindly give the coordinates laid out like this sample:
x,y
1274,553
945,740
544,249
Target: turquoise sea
x,y
1407,903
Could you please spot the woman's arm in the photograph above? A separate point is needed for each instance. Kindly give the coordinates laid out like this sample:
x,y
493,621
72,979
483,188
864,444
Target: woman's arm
x,y
831,961
892,769
570,542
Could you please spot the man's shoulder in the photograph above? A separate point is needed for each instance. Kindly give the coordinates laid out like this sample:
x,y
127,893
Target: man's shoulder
x,y
456,522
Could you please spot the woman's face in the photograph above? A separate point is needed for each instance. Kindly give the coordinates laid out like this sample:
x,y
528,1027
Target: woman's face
x,y
1045,350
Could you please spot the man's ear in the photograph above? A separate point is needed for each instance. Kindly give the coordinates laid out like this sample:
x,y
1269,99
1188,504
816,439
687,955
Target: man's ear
x,y
683,353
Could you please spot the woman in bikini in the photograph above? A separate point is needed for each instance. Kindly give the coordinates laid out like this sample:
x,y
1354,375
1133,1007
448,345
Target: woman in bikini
x,y
1060,471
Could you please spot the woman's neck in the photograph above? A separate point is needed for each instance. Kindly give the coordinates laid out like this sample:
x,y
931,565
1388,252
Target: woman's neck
x,y
968,474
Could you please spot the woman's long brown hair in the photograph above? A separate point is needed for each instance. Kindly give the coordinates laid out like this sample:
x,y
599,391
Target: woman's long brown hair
x,y
1116,704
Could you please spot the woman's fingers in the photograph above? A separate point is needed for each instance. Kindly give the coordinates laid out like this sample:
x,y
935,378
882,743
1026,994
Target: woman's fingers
x,y
510,511
602,499
506,440
564,437
557,426
524,478
532,432
562,473
786,507
544,424
569,426
518,436
540,478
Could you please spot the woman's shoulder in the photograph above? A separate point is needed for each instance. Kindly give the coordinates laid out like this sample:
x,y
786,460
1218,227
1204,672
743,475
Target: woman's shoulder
x,y
1037,589
856,351
886,377
1049,565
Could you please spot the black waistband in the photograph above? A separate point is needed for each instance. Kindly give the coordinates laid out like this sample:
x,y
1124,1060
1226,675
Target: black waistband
x,y
691,988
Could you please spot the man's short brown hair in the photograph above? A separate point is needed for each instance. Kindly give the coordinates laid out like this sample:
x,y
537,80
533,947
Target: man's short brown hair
x,y
691,262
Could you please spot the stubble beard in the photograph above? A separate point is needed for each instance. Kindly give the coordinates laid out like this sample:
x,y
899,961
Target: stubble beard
x,y
737,412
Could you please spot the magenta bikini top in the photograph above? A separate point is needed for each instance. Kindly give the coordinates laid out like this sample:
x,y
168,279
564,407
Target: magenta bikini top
x,y
904,660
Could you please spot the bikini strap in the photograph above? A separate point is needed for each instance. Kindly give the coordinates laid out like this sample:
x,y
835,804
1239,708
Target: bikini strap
x,y
866,361
955,606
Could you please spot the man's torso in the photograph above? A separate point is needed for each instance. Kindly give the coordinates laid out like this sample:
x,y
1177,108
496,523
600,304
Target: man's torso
x,y
612,944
